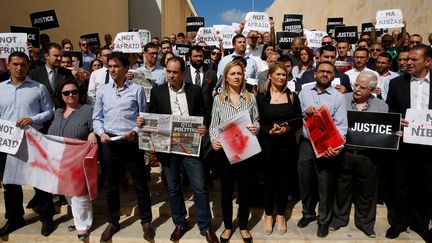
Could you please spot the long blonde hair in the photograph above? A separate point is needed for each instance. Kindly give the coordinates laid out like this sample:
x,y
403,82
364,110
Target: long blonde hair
x,y
272,69
225,85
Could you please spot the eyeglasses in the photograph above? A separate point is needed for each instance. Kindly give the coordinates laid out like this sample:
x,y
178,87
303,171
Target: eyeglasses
x,y
215,53
68,92
326,43
152,53
84,44
324,72
375,49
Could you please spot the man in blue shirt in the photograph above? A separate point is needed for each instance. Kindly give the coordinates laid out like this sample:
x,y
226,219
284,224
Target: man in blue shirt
x,y
25,102
117,106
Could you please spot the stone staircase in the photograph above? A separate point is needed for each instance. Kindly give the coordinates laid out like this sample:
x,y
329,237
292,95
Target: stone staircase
x,y
131,229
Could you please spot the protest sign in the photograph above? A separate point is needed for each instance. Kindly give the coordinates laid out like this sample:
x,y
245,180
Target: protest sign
x,y
10,137
322,131
93,39
343,66
194,23
335,21
419,130
258,21
208,35
32,34
226,32
145,36
127,42
44,20
331,28
183,49
373,130
293,17
347,32
367,29
237,141
391,18
284,39
314,37
185,138
293,27
10,42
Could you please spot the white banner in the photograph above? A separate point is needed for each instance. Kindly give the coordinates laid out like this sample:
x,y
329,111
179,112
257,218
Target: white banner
x,y
10,42
314,37
208,35
419,130
258,21
391,18
145,36
226,32
128,42
10,137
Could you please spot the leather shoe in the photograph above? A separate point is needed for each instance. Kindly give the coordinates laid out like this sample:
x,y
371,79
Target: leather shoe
x,y
47,227
178,233
225,240
303,222
246,239
149,232
11,225
393,232
109,231
323,230
210,236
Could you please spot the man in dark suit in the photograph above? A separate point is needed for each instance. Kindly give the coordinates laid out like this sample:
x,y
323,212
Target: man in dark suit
x,y
410,172
180,98
51,75
327,53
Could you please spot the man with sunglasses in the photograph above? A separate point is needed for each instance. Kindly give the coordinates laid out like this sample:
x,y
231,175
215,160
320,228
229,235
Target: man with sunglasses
x,y
375,50
87,55
414,40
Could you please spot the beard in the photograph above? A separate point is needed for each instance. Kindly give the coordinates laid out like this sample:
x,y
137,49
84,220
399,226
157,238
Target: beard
x,y
197,64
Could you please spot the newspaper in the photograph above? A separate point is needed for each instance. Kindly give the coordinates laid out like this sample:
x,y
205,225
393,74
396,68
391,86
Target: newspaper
x,y
185,138
155,135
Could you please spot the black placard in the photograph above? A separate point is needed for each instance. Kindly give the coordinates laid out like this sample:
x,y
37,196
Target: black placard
x,y
293,27
183,49
194,23
293,17
92,38
373,129
32,34
348,32
335,21
44,20
367,29
284,39
331,28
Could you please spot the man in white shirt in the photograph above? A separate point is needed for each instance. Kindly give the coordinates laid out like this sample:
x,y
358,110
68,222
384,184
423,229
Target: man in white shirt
x,y
360,60
99,77
385,75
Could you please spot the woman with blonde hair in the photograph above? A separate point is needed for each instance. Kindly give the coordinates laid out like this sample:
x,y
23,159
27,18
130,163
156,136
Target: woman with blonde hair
x,y
233,99
280,117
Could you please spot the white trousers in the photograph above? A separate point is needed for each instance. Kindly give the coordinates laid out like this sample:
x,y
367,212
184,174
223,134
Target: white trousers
x,y
82,211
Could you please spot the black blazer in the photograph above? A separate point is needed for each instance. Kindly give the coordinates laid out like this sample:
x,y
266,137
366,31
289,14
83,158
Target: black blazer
x,y
40,75
308,77
399,94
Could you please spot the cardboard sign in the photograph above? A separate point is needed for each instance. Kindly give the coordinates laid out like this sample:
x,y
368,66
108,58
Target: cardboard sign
x,y
258,21
145,36
284,39
347,32
331,28
419,130
183,49
32,34
373,130
314,37
391,18
226,32
293,27
335,21
127,42
293,17
194,23
367,29
10,137
93,39
44,20
10,42
208,35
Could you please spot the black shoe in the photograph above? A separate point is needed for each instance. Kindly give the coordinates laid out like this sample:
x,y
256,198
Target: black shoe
x,y
109,231
83,237
11,226
393,232
303,222
323,230
47,227
225,240
248,239
32,203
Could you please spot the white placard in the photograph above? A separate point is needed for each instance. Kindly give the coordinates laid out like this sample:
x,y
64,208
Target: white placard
x,y
10,42
127,42
226,33
208,35
419,130
314,37
258,21
10,137
145,36
391,18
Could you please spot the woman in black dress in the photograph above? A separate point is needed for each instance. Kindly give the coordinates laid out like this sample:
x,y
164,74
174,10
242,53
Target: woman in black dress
x,y
280,117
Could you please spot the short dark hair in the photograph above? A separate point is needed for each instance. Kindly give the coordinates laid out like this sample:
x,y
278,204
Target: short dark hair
x,y
234,39
285,58
150,45
195,48
165,42
53,45
361,49
404,49
386,55
327,48
325,62
181,34
66,41
427,50
343,40
18,54
179,60
81,93
123,58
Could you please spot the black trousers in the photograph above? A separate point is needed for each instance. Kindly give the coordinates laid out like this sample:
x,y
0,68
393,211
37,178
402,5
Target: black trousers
x,y
317,178
410,187
13,196
357,183
118,155
229,174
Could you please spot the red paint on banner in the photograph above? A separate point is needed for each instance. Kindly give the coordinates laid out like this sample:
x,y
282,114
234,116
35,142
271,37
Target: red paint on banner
x,y
44,167
236,139
36,144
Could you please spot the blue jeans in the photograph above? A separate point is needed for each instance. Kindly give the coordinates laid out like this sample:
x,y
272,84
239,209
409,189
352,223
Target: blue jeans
x,y
195,170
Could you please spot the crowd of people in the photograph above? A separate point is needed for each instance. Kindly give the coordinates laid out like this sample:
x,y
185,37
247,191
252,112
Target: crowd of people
x,y
95,96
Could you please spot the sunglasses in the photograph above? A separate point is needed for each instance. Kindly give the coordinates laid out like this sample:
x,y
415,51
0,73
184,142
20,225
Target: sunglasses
x,y
152,53
326,43
375,49
68,92
84,44
253,37
215,53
